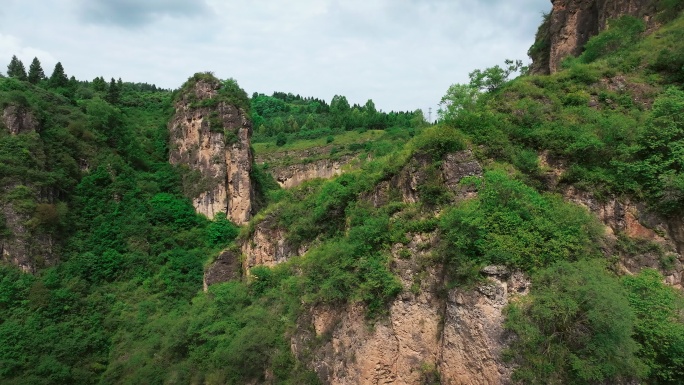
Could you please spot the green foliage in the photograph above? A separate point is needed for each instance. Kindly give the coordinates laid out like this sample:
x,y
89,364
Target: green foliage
x,y
438,141
670,9
58,79
36,74
512,224
228,91
281,140
540,50
16,69
493,78
305,118
658,327
459,98
660,154
574,327
221,231
353,268
621,33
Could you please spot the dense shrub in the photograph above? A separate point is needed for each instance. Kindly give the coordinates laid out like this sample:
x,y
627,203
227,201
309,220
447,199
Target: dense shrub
x,y
574,327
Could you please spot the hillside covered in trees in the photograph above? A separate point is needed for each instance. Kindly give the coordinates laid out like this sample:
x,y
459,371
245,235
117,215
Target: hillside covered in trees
x,y
533,235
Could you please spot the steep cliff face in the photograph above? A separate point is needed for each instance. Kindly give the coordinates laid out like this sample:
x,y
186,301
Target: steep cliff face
x,y
634,221
211,137
456,338
267,246
295,174
572,22
18,120
623,217
20,244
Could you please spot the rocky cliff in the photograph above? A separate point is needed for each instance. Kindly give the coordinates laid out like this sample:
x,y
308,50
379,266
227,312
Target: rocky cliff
x,y
20,243
210,136
292,168
572,22
662,239
430,336
293,175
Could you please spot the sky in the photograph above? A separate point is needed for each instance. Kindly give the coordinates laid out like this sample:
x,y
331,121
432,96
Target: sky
x,y
402,54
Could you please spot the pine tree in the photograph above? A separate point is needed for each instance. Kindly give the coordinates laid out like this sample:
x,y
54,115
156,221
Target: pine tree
x,y
16,69
58,78
36,73
113,93
99,84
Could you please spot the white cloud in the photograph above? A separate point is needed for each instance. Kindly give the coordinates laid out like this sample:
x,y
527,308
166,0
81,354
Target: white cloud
x,y
11,45
403,54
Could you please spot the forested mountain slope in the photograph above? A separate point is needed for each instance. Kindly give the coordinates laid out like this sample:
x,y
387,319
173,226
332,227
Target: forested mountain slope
x,y
534,235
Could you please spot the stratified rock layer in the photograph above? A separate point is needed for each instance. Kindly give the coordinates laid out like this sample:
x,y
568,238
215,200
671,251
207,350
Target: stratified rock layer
x,y
213,141
573,22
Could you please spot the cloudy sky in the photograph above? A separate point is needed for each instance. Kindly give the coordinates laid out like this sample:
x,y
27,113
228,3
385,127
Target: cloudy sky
x,y
403,54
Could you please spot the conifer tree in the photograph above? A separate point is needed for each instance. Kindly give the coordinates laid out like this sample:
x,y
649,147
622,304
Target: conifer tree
x,y
99,84
113,93
36,73
16,69
58,78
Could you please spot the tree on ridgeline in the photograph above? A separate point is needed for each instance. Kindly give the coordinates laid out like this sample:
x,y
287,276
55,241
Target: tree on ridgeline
x,y
36,74
113,93
16,69
58,78
99,84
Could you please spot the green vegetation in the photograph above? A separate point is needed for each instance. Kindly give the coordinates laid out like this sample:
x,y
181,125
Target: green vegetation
x,y
89,171
287,118
512,224
575,327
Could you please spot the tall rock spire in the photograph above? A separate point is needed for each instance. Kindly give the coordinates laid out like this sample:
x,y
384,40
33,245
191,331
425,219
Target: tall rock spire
x,y
210,135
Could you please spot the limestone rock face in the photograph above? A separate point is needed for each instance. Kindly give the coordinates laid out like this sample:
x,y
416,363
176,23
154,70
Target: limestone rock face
x,y
633,220
268,246
213,141
20,246
18,120
406,184
573,22
457,338
294,175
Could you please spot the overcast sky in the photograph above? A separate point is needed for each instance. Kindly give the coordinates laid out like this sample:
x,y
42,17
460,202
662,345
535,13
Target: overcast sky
x,y
403,54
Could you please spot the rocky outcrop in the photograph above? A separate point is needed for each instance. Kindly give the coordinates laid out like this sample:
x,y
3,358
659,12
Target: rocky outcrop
x,y
456,338
225,267
623,217
421,169
295,174
19,120
20,245
633,220
268,245
571,24
211,137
